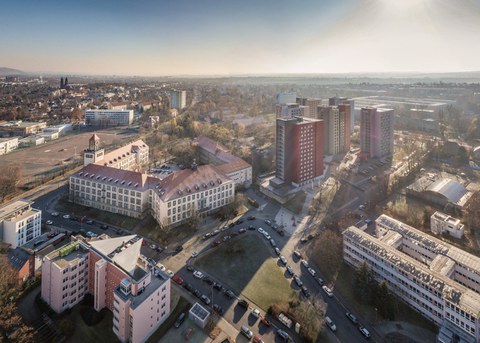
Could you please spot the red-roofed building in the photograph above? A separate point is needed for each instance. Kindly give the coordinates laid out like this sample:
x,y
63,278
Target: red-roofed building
x,y
212,152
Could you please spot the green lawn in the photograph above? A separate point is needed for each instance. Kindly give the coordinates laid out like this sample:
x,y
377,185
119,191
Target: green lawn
x,y
64,205
344,284
245,265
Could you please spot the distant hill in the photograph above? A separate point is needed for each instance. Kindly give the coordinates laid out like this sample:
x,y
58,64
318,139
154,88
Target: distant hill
x,y
9,71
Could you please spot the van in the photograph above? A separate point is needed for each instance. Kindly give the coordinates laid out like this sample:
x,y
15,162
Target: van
x,y
330,324
364,331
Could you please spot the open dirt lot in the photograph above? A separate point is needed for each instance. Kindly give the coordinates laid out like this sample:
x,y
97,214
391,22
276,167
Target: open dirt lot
x,y
37,161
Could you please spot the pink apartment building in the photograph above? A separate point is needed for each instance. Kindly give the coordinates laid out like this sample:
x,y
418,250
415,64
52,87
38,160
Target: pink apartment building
x,y
118,277
376,132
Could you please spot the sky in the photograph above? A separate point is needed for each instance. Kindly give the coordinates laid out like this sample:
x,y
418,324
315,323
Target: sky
x,y
235,37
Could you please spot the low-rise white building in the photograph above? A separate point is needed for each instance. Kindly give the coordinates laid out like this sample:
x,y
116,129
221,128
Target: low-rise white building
x,y
20,223
108,117
49,136
441,223
31,141
199,315
437,279
8,144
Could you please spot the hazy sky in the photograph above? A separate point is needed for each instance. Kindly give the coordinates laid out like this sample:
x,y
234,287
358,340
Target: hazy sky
x,y
158,37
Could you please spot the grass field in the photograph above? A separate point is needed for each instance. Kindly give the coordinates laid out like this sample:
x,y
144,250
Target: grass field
x,y
152,230
246,266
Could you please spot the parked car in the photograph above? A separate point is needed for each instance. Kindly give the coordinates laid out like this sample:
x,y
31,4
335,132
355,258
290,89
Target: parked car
x,y
260,230
243,303
251,227
89,222
51,234
312,271
216,243
66,216
297,254
242,230
277,251
103,227
217,308
266,235
206,236
190,268
265,321
246,332
229,294
305,291
330,324
272,242
194,254
197,293
320,281
305,264
188,286
49,222
205,299
178,248
285,336
170,273
298,281
352,318
198,274
290,270
55,214
251,218
217,286
208,280
328,291
364,331
268,222
255,312
177,279
257,339
180,320
283,260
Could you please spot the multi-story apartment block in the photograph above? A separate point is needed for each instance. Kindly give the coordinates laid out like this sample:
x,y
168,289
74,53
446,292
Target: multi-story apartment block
x,y
299,154
199,190
19,223
119,278
291,110
285,98
336,101
108,117
441,223
8,144
336,123
436,279
212,152
178,99
376,132
133,156
312,105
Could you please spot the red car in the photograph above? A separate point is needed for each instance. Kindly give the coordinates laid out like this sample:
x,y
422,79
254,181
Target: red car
x,y
177,279
265,321
52,234
242,230
214,244
257,339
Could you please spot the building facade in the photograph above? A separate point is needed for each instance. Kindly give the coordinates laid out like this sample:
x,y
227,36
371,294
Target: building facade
x,y
441,223
436,279
299,151
8,144
20,223
336,101
119,278
196,191
291,110
285,98
336,122
312,105
212,152
133,156
376,132
108,117
21,128
178,99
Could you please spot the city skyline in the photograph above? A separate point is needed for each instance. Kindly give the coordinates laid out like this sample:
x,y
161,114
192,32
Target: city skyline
x,y
155,38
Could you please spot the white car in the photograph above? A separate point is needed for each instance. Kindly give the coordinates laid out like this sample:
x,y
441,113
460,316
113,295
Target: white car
x,y
170,273
67,216
328,291
305,264
194,254
55,214
198,274
256,313
267,236
260,230
161,266
312,272
330,324
49,222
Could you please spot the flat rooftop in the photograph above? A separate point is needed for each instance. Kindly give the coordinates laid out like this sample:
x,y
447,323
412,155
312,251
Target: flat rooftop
x,y
14,207
63,261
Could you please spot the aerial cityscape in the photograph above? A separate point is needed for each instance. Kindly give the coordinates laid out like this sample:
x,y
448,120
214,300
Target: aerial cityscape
x,y
240,171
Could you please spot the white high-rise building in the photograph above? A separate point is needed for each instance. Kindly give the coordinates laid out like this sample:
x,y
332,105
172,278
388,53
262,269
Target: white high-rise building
x,y
20,223
178,99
